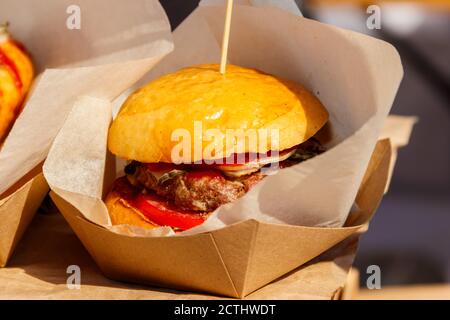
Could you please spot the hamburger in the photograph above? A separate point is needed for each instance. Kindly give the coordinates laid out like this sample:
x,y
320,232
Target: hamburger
x,y
165,187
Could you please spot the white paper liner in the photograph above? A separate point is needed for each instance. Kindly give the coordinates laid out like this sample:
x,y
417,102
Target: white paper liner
x,y
116,45
355,76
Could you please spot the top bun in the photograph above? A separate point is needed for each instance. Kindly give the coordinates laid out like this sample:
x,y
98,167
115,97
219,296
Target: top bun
x,y
241,99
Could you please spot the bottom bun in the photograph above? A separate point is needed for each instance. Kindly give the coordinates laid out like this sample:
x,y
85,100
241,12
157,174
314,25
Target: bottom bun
x,y
121,212
127,205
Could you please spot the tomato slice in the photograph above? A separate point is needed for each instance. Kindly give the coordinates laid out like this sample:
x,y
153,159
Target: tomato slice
x,y
161,213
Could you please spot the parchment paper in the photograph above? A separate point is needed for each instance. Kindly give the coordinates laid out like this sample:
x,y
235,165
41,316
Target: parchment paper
x,y
355,76
116,45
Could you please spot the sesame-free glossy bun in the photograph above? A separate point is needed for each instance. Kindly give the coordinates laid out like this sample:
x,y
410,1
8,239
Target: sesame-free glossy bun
x,y
241,99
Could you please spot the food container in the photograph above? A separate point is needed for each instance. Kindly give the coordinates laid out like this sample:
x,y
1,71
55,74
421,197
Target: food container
x,y
239,251
71,59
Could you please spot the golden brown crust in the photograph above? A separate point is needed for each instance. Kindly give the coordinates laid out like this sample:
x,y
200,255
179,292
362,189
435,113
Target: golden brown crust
x,y
122,213
242,99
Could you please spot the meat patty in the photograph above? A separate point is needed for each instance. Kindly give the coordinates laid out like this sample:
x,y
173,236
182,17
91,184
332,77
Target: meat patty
x,y
195,191
205,189
201,192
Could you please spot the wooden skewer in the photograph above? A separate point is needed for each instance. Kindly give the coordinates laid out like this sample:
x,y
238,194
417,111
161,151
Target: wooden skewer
x,y
226,37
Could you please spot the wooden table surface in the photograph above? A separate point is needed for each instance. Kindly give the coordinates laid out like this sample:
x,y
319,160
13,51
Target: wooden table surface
x,y
405,292
411,292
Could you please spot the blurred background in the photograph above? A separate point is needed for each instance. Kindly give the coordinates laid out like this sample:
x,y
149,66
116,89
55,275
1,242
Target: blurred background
x,y
409,237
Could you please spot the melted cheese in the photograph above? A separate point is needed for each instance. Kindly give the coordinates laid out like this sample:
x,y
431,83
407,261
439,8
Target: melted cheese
x,y
253,166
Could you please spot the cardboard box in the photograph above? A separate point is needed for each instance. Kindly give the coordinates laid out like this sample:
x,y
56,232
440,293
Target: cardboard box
x,y
38,270
356,77
17,208
68,64
234,261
